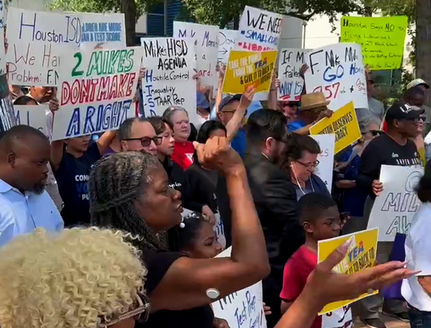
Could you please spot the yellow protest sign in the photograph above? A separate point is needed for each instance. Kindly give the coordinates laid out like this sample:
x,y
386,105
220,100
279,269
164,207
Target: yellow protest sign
x,y
343,123
381,38
362,254
246,68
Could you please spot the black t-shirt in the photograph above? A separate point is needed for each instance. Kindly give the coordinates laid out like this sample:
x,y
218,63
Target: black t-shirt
x,y
157,264
383,150
72,176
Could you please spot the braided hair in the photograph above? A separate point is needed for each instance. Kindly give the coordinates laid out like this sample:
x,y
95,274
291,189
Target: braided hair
x,y
116,181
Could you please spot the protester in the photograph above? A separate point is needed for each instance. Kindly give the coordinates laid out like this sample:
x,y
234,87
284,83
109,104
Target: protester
x,y
314,107
178,118
321,220
415,96
71,161
24,203
136,134
417,290
274,198
289,109
25,100
424,87
300,162
375,107
203,109
176,175
393,148
77,278
142,204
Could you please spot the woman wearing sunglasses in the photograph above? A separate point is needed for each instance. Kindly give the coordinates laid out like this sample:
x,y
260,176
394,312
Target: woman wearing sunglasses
x,y
82,278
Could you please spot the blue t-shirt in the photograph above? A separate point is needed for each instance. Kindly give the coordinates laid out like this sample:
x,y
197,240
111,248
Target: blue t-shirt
x,y
72,177
292,127
238,142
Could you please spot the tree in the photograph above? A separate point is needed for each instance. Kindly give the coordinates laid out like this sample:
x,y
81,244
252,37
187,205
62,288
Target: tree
x,y
423,40
221,12
132,10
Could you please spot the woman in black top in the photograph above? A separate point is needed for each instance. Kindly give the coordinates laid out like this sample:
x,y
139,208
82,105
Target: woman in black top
x,y
130,191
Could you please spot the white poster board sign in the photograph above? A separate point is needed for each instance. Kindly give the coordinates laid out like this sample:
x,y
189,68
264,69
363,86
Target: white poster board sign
x,y
338,71
32,115
205,40
169,69
395,207
259,30
290,62
37,40
226,41
243,308
96,93
325,169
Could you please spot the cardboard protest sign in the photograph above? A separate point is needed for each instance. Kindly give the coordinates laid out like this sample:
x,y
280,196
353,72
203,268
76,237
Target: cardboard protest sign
x,y
395,207
338,71
168,77
32,115
205,41
243,308
362,254
325,169
37,40
343,124
289,65
226,41
7,115
97,91
382,39
249,68
259,30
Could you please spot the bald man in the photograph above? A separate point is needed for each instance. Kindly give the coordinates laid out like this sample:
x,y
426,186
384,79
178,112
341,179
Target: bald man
x,y
24,203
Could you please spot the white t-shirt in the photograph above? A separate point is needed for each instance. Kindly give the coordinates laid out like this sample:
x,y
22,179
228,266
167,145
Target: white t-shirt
x,y
418,257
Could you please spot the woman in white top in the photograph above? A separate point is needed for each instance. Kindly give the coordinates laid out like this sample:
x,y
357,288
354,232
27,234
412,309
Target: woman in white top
x,y
417,289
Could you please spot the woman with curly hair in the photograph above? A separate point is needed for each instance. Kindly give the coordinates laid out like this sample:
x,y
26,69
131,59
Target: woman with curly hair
x,y
80,278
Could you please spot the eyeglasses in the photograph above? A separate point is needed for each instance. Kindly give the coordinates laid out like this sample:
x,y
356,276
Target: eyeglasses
x,y
142,312
146,141
312,165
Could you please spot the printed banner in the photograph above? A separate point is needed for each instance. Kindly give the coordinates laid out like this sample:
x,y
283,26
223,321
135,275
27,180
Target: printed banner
x,y
395,207
97,91
325,169
361,255
205,40
259,30
169,69
338,71
32,115
37,40
243,308
226,41
382,39
289,66
7,115
249,68
343,124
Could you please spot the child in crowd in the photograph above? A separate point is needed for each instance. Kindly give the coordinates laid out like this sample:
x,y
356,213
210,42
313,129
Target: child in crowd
x,y
321,220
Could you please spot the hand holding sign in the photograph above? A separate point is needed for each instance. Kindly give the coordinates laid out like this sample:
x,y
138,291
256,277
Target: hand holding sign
x,y
377,187
247,98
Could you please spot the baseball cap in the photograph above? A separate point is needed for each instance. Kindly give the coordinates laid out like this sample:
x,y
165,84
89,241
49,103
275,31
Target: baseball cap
x,y
228,99
403,111
417,82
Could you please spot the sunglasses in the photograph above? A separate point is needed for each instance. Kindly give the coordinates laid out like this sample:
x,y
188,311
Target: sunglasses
x,y
292,104
141,313
146,141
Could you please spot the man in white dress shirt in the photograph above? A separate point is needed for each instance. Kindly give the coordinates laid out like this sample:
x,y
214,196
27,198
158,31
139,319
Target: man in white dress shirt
x,y
24,203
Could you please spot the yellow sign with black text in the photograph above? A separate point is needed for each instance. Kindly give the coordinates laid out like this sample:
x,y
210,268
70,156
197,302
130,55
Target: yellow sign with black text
x,y
361,255
343,124
249,68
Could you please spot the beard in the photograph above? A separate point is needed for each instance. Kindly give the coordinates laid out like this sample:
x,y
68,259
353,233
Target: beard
x,y
38,189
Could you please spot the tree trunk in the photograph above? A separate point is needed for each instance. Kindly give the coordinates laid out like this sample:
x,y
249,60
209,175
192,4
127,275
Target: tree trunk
x,y
128,8
423,41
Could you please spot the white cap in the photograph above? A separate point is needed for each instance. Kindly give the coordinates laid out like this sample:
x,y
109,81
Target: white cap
x,y
417,82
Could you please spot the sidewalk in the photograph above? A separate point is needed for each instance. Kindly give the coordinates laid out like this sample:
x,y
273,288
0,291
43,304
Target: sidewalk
x,y
390,323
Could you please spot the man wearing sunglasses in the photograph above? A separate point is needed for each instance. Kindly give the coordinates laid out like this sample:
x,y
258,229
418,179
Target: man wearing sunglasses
x,y
395,147
136,134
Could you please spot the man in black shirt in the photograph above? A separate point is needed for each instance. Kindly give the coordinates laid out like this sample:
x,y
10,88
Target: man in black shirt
x,y
393,148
